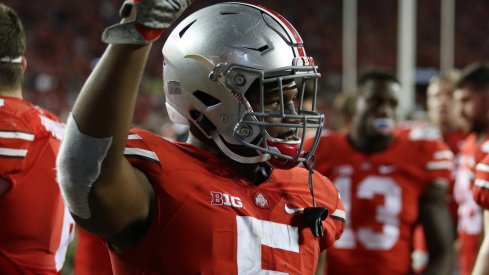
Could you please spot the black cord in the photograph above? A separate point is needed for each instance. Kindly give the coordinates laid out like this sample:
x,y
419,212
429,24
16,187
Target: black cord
x,y
314,215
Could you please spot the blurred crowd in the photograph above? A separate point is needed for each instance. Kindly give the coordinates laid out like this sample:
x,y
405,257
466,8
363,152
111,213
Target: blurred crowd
x,y
64,44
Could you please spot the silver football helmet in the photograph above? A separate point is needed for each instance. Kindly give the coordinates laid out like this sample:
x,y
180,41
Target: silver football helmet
x,y
214,56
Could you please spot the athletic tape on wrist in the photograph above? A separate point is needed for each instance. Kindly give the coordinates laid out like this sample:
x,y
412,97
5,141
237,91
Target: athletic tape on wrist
x,y
78,165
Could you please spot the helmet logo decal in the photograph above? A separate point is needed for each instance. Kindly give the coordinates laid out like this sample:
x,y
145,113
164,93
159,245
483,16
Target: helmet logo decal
x,y
261,201
174,88
303,61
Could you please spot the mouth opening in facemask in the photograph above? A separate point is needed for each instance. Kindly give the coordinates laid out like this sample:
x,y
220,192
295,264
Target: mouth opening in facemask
x,y
383,126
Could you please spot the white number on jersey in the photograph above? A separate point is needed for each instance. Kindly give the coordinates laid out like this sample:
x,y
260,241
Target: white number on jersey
x,y
386,214
252,233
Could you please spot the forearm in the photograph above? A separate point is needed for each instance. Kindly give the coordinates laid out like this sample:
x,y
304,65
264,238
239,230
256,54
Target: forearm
x,y
440,262
92,171
321,266
438,228
106,102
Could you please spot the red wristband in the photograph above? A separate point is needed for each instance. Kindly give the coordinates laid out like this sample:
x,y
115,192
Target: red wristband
x,y
149,34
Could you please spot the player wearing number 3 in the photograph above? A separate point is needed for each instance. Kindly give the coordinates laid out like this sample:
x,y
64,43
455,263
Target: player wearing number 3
x,y
230,200
388,181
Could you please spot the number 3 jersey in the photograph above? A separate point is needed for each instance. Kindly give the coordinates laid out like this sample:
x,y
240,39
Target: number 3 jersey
x,y
35,226
380,192
209,220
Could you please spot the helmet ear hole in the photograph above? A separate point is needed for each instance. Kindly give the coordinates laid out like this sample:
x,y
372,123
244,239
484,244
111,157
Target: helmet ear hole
x,y
206,98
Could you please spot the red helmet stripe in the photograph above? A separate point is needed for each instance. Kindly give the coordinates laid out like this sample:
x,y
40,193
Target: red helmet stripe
x,y
294,35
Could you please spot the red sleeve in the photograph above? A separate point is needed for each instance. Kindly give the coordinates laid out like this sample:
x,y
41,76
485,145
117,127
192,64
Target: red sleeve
x,y
15,139
439,162
335,222
137,149
480,189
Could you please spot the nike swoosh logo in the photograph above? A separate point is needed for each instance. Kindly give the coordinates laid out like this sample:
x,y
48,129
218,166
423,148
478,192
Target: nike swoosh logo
x,y
291,211
387,169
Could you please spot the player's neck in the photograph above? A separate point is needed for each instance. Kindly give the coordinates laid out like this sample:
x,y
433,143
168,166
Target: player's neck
x,y
448,127
17,93
255,173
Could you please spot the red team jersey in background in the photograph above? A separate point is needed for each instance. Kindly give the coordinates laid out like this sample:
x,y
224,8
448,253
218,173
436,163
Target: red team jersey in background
x,y
35,227
381,193
209,220
469,225
454,141
481,184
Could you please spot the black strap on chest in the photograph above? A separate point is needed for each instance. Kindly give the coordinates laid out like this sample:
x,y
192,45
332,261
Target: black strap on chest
x,y
314,215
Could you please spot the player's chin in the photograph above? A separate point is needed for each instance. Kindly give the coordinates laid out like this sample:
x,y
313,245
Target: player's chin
x,y
384,132
379,133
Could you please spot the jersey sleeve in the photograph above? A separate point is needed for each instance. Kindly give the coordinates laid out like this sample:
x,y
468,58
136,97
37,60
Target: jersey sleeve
x,y
16,138
439,161
139,153
480,189
334,224
338,216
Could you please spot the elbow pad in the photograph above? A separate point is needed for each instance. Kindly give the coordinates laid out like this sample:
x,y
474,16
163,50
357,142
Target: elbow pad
x,y
78,165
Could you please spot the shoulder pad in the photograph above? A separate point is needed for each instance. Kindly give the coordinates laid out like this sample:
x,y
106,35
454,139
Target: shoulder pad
x,y
424,132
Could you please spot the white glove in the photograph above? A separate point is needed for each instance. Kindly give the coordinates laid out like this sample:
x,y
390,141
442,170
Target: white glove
x,y
152,17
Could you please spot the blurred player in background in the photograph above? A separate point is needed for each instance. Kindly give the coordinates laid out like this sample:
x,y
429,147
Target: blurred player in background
x,y
443,114
472,93
443,111
231,200
481,196
388,182
343,105
35,229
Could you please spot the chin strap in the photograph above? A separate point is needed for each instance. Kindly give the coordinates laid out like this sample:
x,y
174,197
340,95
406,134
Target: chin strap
x,y
232,155
314,215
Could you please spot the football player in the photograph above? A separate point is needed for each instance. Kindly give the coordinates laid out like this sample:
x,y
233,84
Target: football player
x,y
388,181
481,183
442,114
228,201
35,229
473,94
481,196
443,111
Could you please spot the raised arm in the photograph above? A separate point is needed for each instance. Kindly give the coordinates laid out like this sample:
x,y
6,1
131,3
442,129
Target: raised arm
x,y
120,195
106,195
438,228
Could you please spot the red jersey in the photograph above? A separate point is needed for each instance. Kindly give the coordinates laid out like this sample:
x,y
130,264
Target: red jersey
x,y
91,254
472,152
481,184
36,228
380,192
210,220
454,140
469,213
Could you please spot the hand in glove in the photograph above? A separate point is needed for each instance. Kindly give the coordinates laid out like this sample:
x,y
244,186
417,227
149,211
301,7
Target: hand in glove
x,y
152,17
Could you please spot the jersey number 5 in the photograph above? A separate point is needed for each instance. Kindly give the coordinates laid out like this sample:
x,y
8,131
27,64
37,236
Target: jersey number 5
x,y
387,214
252,233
